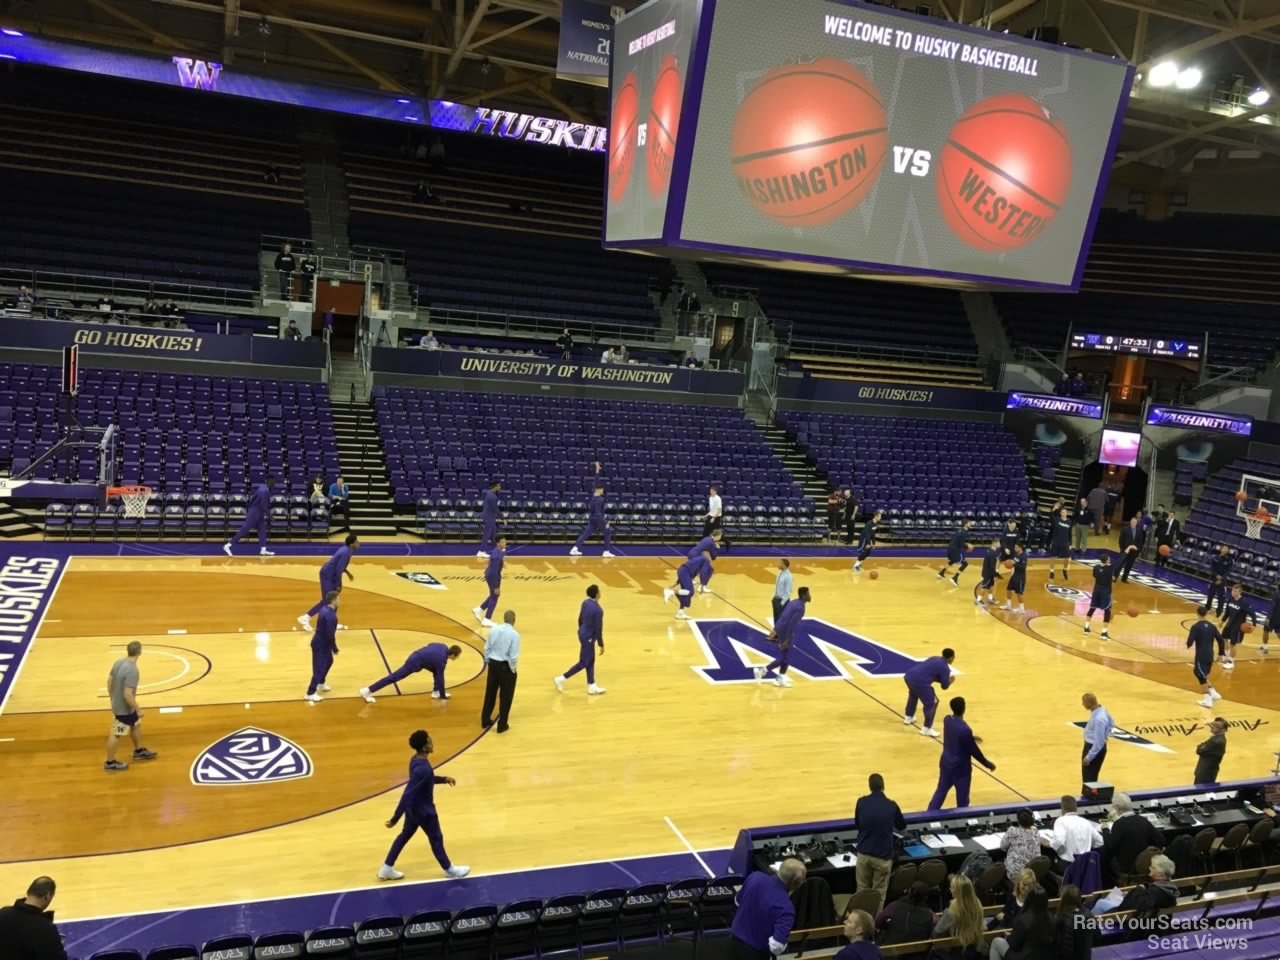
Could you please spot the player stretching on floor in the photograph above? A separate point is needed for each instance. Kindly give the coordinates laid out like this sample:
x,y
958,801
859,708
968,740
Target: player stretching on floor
x,y
707,548
1101,598
990,573
868,541
1203,635
1273,618
1060,541
590,635
324,646
434,657
783,633
493,577
258,515
331,577
955,554
1017,580
418,807
684,583
1237,611
596,523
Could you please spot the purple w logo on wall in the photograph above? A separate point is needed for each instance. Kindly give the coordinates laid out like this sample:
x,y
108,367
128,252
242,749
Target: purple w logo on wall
x,y
250,756
197,74
820,651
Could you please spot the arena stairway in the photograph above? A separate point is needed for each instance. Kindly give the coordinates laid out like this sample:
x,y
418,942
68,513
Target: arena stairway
x,y
14,524
364,467
798,465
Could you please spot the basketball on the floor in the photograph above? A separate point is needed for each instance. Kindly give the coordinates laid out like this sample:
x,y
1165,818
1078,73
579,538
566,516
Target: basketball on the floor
x,y
622,136
1133,611
1246,627
1241,496
660,134
1165,550
809,141
874,574
1004,173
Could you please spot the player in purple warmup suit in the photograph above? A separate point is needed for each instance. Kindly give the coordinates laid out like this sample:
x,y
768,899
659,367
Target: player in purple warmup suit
x,y
418,807
596,524
683,590
258,515
590,635
493,577
331,576
434,657
784,632
489,516
324,647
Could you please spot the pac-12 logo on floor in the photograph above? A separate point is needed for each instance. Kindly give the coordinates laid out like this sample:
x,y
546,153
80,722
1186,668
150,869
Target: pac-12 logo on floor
x,y
424,579
821,651
1070,594
250,756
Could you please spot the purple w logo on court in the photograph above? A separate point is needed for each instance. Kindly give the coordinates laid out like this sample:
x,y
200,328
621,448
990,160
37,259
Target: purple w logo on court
x,y
250,756
820,651
197,74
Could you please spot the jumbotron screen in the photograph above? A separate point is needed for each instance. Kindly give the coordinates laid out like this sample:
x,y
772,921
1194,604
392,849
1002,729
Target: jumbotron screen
x,y
649,66
874,140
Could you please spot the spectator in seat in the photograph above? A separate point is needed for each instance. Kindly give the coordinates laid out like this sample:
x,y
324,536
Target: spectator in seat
x,y
859,928
150,307
1075,933
1129,835
429,341
963,917
1017,899
318,496
1146,898
620,354
106,304
285,264
1079,386
25,297
1021,844
691,360
1034,935
607,356
291,332
26,929
908,919
565,343
171,308
339,498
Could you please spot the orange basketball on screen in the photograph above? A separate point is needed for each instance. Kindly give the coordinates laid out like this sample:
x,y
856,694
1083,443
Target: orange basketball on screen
x,y
1165,550
874,574
809,141
1004,173
622,136
660,132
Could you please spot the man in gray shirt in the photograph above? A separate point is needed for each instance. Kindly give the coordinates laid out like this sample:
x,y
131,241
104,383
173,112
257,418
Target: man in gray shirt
x,y
122,688
782,587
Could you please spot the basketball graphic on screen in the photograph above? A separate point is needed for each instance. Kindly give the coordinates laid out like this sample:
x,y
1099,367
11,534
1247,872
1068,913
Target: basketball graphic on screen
x,y
660,134
808,142
1004,173
622,136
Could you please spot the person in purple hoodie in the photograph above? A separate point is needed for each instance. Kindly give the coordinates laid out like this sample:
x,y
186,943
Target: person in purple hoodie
x,y
920,680
959,750
493,577
258,515
418,807
489,517
596,523
784,631
590,635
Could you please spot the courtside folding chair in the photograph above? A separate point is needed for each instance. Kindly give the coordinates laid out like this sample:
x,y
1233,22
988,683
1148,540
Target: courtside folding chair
x,y
237,946
516,932
471,933
330,943
378,938
424,935
285,945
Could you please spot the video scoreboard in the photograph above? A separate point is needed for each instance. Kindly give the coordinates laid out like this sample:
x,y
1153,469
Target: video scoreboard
x,y
1171,347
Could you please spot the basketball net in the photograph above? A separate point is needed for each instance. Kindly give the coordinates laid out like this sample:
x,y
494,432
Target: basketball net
x,y
1253,524
135,499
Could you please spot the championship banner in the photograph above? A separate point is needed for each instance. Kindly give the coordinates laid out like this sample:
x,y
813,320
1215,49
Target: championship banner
x,y
586,32
118,339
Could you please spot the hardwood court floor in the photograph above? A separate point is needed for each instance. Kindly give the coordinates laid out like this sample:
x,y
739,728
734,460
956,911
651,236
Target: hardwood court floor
x,y
577,777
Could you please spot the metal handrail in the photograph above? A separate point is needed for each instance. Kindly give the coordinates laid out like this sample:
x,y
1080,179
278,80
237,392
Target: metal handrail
x,y
461,321
57,284
879,352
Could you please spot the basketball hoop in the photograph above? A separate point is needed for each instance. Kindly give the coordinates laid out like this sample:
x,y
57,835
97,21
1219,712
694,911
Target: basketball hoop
x,y
134,498
1254,522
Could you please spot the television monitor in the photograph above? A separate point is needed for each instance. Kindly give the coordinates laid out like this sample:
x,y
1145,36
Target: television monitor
x,y
1120,448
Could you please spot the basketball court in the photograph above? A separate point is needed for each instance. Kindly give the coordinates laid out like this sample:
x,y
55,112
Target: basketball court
x,y
257,794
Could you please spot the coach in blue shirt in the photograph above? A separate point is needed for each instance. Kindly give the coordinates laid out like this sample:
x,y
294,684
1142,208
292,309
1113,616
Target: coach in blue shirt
x,y
765,913
877,817
501,655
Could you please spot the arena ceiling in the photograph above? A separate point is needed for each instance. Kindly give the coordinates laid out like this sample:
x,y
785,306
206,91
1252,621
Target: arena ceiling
x,y
503,52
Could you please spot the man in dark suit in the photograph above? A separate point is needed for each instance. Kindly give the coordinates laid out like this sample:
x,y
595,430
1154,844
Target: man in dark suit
x,y
1211,752
1129,835
1168,533
1132,538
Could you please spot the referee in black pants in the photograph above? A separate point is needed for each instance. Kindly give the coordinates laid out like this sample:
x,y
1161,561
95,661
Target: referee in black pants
x,y
501,653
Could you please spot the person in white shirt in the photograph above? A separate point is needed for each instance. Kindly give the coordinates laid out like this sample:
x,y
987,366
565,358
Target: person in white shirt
x,y
607,356
429,341
1073,835
715,512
